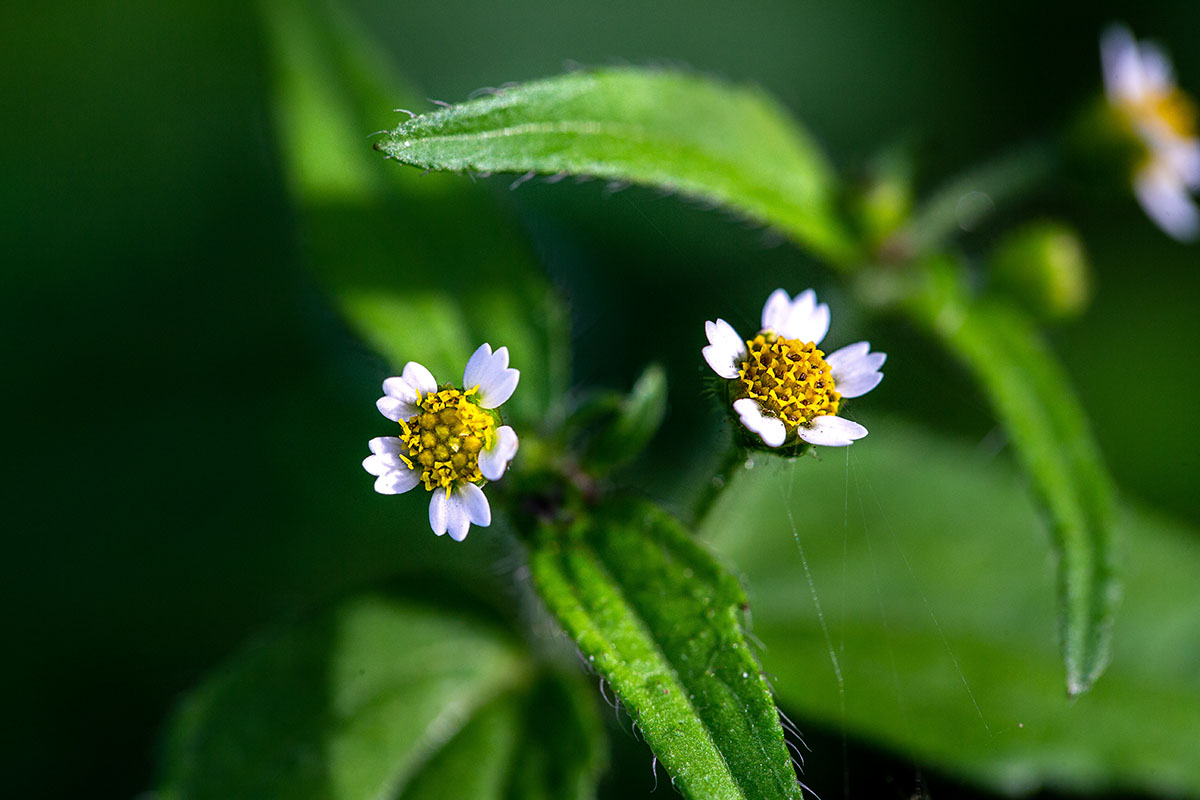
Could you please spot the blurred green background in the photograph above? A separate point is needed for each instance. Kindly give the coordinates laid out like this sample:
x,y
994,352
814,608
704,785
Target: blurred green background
x,y
187,414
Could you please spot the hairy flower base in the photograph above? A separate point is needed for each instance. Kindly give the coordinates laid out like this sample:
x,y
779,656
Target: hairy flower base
x,y
788,378
445,439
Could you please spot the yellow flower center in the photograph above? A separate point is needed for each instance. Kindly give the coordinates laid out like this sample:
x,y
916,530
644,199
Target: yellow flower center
x,y
444,438
1172,108
788,378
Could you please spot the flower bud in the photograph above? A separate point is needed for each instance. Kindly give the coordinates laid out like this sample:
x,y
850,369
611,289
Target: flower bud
x,y
885,202
627,427
1043,265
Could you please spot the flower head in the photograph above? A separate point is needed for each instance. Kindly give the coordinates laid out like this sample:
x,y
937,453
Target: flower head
x,y
451,440
784,388
1140,86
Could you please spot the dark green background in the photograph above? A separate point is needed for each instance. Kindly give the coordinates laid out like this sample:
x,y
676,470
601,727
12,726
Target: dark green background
x,y
186,415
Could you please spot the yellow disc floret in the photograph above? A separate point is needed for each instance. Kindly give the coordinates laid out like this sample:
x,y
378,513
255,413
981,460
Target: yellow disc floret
x,y
1171,108
788,378
444,438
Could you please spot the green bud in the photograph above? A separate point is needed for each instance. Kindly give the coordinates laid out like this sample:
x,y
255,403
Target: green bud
x,y
885,203
620,435
1043,265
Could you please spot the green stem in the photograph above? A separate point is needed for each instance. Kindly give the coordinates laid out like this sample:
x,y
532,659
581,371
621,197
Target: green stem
x,y
966,200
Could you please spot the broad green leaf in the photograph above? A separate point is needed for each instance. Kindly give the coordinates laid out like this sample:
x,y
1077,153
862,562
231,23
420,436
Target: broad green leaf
x,y
545,743
382,697
658,619
424,269
347,706
1049,430
725,144
563,747
929,562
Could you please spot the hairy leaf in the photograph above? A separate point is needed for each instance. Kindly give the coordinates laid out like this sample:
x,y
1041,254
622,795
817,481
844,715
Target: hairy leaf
x,y
658,619
725,144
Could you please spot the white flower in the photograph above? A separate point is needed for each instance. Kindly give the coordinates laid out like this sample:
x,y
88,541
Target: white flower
x,y
785,389
451,440
1140,86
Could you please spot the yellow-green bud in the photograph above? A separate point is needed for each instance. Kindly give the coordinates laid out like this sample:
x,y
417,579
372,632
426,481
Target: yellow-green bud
x,y
1044,266
885,202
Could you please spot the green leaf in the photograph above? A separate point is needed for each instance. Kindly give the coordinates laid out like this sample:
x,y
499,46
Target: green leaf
x,y
546,743
658,619
1049,430
928,559
345,707
424,269
726,144
383,697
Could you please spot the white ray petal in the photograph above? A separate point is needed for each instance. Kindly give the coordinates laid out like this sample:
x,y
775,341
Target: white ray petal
x,y
1121,65
725,348
831,431
420,378
855,369
387,445
775,310
394,409
493,462
458,521
375,466
401,389
494,393
1165,200
383,463
475,505
397,481
490,372
385,456
1156,72
439,511
479,364
771,429
807,320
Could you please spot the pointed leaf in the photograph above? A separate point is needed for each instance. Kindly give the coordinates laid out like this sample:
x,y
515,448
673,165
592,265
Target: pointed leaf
x,y
658,619
726,144
1034,400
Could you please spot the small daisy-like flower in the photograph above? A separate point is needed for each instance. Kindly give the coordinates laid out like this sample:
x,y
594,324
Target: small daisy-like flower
x,y
451,440
1140,86
784,389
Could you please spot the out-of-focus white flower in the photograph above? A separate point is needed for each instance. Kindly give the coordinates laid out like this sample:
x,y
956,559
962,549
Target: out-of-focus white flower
x,y
784,388
451,439
1140,86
